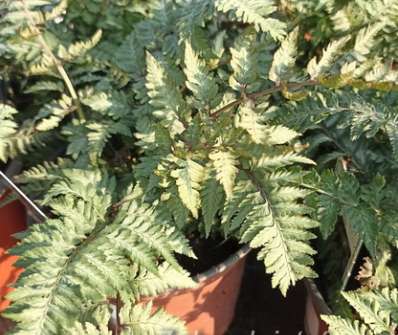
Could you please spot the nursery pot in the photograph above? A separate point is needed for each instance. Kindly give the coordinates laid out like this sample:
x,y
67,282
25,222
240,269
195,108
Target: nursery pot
x,y
315,307
12,220
208,309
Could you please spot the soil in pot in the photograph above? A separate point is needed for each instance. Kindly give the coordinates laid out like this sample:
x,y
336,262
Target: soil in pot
x,y
209,252
262,310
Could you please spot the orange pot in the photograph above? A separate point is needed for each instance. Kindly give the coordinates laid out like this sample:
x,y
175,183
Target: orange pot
x,y
315,307
209,308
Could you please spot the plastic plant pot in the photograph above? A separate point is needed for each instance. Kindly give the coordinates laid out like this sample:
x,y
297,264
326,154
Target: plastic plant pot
x,y
12,220
315,307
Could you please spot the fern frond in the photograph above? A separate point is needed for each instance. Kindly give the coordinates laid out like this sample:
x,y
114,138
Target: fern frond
x,y
275,224
376,319
339,326
141,320
8,128
255,12
92,257
333,50
365,40
392,133
387,299
45,85
199,80
225,163
79,49
284,58
283,159
51,115
377,309
188,177
212,199
13,139
164,96
244,63
252,122
88,329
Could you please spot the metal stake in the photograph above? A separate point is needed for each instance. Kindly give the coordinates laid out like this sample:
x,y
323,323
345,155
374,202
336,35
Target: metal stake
x,y
36,212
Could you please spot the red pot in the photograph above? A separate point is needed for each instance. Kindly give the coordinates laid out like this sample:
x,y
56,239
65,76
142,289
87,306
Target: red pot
x,y
315,307
12,220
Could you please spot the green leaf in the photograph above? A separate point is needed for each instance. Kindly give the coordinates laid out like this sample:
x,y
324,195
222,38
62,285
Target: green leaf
x,y
365,40
188,179
79,49
164,96
284,58
339,326
141,320
8,128
327,213
225,163
52,114
94,256
377,320
365,223
199,80
281,160
333,50
212,199
248,119
244,63
255,12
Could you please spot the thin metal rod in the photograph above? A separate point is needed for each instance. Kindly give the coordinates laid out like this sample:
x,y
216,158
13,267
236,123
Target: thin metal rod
x,y
36,212
351,263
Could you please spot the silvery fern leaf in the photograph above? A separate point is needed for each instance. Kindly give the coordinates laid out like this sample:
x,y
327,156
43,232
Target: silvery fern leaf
x,y
225,163
334,50
8,128
284,58
256,12
94,256
339,326
189,177
141,320
164,96
199,80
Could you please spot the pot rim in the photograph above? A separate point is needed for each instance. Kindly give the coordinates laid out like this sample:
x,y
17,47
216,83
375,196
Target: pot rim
x,y
223,266
202,278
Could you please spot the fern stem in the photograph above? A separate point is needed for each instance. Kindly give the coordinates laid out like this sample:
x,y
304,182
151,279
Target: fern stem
x,y
263,93
118,307
57,63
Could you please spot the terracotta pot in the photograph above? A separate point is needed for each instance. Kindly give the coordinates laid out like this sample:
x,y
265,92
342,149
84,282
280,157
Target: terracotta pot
x,y
209,308
12,220
315,307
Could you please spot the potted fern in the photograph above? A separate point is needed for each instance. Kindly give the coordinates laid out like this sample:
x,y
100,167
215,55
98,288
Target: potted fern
x,y
86,105
202,121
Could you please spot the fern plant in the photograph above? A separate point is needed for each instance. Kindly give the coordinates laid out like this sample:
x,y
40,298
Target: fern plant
x,y
211,116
